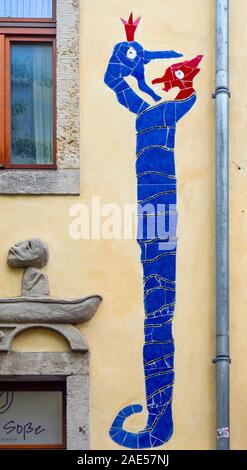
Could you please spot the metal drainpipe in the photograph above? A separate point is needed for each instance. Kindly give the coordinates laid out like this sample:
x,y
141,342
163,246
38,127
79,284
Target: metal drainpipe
x,y
222,96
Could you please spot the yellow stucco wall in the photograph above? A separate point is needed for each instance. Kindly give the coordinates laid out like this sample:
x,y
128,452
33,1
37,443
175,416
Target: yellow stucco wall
x,y
111,267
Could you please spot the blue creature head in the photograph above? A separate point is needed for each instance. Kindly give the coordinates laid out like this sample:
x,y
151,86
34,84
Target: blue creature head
x,y
128,54
129,58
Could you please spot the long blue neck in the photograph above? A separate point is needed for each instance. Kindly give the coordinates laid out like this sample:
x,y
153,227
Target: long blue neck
x,y
157,221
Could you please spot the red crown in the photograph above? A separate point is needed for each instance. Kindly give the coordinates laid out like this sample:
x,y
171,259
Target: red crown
x,y
130,27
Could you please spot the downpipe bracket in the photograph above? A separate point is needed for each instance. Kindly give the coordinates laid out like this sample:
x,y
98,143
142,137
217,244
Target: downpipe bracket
x,y
219,90
220,358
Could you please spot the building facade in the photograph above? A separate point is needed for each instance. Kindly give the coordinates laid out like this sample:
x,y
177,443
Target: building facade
x,y
68,178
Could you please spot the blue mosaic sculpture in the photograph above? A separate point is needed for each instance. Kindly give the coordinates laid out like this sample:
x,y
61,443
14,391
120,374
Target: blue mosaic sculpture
x,y
157,221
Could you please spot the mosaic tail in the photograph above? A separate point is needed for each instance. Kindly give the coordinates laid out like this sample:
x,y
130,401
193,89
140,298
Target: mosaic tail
x,y
158,356
149,438
157,222
158,353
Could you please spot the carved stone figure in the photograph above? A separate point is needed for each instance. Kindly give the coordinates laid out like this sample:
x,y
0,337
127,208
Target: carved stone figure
x,y
30,253
35,283
35,305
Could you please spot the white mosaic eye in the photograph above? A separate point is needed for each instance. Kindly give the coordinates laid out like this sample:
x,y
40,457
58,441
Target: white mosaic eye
x,y
179,74
131,53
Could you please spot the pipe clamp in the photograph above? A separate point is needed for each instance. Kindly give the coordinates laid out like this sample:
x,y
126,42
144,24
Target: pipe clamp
x,y
222,357
221,89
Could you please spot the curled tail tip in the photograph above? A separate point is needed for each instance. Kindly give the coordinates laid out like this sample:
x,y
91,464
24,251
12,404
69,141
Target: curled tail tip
x,y
155,436
118,434
124,414
117,425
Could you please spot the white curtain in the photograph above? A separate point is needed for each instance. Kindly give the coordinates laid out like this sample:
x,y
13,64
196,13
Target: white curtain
x,y
42,103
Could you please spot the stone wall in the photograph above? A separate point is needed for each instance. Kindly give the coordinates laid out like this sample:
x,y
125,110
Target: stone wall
x,y
68,109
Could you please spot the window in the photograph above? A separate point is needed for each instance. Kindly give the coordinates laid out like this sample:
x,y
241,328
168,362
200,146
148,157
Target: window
x,y
32,415
26,8
39,109
28,91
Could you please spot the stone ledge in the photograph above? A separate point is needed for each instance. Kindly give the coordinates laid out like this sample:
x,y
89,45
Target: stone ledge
x,y
58,182
29,364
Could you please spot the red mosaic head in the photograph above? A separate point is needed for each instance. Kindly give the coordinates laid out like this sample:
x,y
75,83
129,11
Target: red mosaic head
x,y
181,75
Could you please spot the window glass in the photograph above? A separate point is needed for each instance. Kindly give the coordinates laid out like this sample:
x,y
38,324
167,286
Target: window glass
x,y
31,418
31,104
26,8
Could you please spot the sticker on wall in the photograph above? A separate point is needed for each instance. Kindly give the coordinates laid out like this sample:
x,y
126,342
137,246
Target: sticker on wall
x,y
157,221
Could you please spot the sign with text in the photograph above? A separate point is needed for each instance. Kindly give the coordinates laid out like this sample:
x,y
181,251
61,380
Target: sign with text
x,y
31,418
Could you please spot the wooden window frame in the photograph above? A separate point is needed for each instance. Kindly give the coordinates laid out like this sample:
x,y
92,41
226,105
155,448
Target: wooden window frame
x,y
25,30
38,386
26,40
